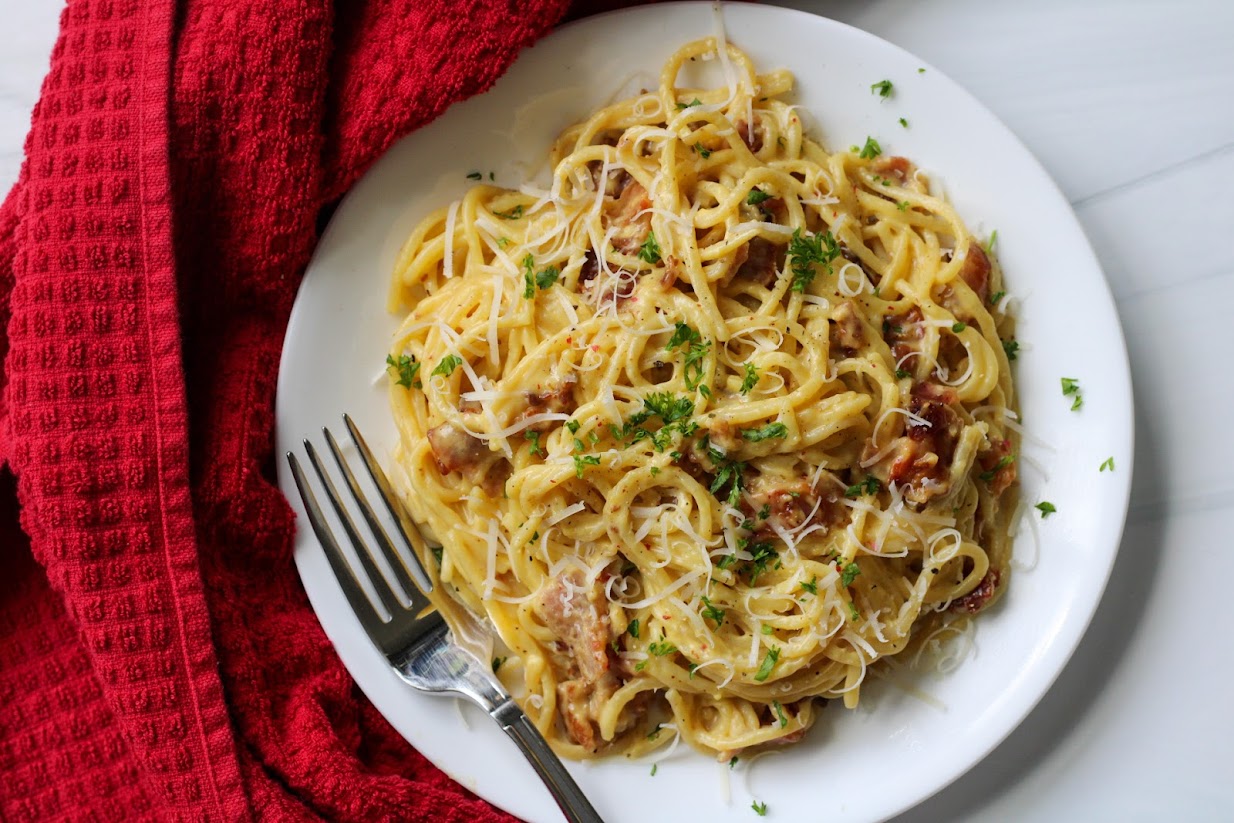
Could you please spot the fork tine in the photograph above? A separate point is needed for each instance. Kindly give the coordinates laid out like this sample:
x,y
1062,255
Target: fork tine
x,y
411,535
370,568
418,601
360,604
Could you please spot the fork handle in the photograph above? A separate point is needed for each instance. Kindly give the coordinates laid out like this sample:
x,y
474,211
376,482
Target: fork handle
x,y
570,798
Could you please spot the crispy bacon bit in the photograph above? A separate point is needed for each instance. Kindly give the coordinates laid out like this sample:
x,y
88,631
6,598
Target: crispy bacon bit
x,y
589,269
760,262
848,333
577,614
976,271
980,597
774,210
752,137
1002,476
630,217
724,435
894,166
791,501
672,270
936,392
920,461
902,332
558,400
457,451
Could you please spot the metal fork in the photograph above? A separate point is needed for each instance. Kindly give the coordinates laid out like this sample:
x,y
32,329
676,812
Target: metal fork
x,y
415,640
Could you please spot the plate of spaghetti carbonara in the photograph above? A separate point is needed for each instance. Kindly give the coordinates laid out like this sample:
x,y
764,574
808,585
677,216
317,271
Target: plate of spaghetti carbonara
x,y
709,393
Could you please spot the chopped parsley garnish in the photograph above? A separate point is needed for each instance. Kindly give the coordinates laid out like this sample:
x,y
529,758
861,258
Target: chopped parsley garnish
x,y
759,808
853,612
767,629
780,713
769,663
850,573
812,586
578,445
694,102
763,553
756,196
996,296
750,380
1003,462
654,470
882,88
712,613
633,628
447,365
903,122
870,150
728,473
502,242
649,252
475,175
1046,508
959,326
513,214
661,649
573,426
902,373
1012,348
732,764
765,432
1107,465
407,368
805,251
701,149
868,486
547,278
989,244
764,512
582,461
921,71
695,350
903,205
654,766
534,437
1071,386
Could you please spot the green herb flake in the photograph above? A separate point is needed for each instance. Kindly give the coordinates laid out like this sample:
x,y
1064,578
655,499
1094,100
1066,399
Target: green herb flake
x,y
882,88
812,586
806,250
756,196
547,278
581,462
959,326
780,713
989,244
903,373
534,437
1071,387
653,769
662,649
769,663
1012,349
573,426
513,214
632,629
902,205
868,486
649,252
475,175
447,365
903,122
760,809
713,613
1003,462
854,613
996,296
849,574
529,283
767,629
694,102
751,378
870,150
732,764
406,368
765,432
1046,508
921,71
1108,465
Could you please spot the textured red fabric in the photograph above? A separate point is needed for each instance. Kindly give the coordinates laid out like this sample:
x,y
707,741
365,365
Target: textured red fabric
x,y
158,658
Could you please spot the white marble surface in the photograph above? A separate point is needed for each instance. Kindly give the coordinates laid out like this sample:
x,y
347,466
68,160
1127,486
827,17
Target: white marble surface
x,y
1130,106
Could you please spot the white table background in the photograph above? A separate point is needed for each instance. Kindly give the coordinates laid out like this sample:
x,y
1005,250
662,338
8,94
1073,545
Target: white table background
x,y
1130,106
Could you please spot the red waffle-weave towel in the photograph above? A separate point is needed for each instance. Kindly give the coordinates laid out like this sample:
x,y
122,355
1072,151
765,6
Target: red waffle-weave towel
x,y
158,659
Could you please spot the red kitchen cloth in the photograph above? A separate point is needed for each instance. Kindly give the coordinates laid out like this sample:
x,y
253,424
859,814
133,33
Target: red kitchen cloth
x,y
158,657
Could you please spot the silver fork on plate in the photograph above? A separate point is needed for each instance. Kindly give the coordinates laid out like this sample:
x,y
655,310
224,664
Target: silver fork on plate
x,y
415,640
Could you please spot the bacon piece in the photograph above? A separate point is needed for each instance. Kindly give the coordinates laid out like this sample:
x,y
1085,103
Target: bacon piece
x,y
760,262
899,168
752,137
590,268
791,502
919,461
557,400
630,217
976,271
457,451
578,616
980,597
848,332
902,331
1003,476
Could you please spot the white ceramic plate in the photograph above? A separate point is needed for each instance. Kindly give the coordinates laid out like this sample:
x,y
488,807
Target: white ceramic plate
x,y
895,750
